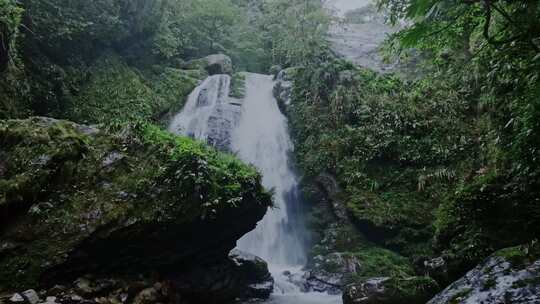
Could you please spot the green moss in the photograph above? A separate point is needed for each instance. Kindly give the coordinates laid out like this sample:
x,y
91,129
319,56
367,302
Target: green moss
x,y
79,187
116,92
460,296
376,262
238,85
173,87
521,255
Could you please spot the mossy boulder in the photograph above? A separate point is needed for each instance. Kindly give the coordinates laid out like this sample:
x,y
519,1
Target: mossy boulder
x,y
391,290
75,199
511,275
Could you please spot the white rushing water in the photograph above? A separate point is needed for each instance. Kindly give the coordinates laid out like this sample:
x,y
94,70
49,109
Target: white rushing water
x,y
262,139
258,135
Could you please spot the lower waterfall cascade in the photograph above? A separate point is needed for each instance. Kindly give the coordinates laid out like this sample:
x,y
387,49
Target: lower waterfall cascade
x,y
256,130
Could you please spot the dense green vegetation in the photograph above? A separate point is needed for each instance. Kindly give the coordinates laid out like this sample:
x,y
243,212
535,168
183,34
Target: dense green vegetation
x,y
444,164
96,61
440,163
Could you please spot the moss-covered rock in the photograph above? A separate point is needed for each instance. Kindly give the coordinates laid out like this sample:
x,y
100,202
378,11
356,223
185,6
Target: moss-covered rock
x,y
74,199
511,275
391,290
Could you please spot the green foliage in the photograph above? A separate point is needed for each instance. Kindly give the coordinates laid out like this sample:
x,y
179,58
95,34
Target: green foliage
x,y
12,82
452,154
296,30
481,217
394,146
238,85
10,19
377,262
494,44
116,92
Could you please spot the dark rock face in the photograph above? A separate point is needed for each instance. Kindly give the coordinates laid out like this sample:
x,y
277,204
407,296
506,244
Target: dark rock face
x,y
283,88
71,204
241,276
330,266
436,268
329,186
509,276
254,274
385,290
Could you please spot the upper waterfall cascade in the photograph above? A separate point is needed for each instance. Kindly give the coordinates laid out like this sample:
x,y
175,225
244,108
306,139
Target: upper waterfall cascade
x,y
258,133
209,114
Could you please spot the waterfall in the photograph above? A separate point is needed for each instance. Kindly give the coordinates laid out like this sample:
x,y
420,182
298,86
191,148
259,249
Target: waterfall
x,y
262,139
209,114
258,133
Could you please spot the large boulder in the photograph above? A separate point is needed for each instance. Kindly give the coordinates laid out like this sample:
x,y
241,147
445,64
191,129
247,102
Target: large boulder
x,y
390,290
509,276
254,274
213,64
76,200
242,276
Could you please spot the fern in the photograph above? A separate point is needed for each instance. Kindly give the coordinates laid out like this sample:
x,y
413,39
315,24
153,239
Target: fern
x,y
439,175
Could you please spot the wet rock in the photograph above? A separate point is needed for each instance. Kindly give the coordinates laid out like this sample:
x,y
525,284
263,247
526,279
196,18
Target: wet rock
x,y
221,125
5,247
30,296
56,290
75,298
436,268
330,272
147,296
329,186
509,276
51,300
385,290
254,273
84,287
213,64
17,298
112,158
242,276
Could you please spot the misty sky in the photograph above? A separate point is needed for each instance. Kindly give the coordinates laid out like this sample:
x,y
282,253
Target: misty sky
x,y
346,5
